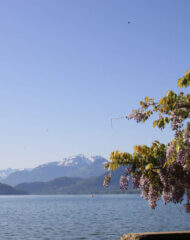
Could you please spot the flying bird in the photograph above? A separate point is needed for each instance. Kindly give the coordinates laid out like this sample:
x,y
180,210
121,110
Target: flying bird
x,y
129,22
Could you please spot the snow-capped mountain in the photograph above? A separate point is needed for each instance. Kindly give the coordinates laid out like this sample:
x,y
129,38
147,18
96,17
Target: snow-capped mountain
x,y
6,172
77,160
75,166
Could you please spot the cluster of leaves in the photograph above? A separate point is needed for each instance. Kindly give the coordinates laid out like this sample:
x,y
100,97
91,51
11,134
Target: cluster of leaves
x,y
160,170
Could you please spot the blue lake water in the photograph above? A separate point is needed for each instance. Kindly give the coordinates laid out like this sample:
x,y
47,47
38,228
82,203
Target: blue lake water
x,y
67,217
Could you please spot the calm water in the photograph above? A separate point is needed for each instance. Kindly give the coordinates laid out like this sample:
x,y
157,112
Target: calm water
x,y
82,217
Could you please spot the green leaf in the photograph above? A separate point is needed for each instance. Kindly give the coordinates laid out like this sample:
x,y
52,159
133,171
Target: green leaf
x,y
149,166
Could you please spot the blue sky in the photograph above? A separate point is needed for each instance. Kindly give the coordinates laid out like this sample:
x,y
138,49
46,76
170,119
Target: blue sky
x,y
68,66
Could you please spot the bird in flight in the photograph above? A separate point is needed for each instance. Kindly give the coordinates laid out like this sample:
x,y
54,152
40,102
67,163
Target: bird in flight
x,y
129,22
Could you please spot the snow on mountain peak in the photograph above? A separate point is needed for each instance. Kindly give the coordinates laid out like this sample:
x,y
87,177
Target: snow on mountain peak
x,y
78,160
6,172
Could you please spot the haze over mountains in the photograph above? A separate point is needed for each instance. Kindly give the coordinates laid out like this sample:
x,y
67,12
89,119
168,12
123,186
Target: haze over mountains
x,y
77,166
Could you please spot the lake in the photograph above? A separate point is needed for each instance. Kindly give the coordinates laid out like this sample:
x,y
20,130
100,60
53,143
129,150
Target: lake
x,y
103,217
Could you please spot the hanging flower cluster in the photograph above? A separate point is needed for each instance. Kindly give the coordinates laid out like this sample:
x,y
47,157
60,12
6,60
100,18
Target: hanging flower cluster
x,y
160,171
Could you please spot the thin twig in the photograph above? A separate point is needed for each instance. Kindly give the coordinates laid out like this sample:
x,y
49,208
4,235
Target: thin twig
x,y
116,119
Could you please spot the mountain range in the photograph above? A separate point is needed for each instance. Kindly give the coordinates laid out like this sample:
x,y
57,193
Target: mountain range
x,y
76,185
73,175
79,166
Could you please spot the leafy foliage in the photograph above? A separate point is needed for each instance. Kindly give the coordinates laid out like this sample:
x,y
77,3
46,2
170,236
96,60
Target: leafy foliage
x,y
160,170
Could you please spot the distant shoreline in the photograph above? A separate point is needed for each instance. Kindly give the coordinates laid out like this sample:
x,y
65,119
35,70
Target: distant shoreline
x,y
98,193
